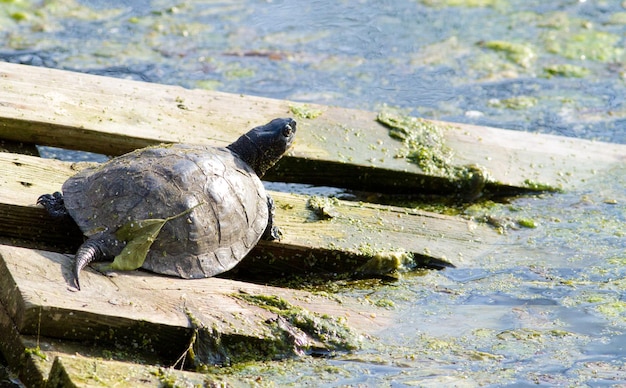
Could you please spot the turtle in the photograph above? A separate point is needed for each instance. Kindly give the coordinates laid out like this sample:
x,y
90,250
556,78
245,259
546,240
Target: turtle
x,y
212,203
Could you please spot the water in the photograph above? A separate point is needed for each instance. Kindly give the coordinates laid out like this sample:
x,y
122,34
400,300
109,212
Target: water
x,y
428,59
545,308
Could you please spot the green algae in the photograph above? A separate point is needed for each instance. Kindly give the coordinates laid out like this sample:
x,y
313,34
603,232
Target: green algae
x,y
566,70
385,262
19,16
527,223
578,39
36,351
503,217
522,54
514,370
516,103
606,304
613,309
617,18
237,71
424,144
323,207
539,186
167,379
208,84
584,45
558,21
16,12
463,3
305,111
385,303
424,141
331,332
209,347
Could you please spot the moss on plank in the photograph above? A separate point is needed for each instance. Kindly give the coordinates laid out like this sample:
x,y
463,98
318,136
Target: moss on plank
x,y
424,144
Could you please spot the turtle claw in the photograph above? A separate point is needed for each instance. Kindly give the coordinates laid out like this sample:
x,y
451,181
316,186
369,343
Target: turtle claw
x,y
75,282
273,234
54,204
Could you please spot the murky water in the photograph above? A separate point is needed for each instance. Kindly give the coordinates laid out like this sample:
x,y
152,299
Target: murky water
x,y
548,308
437,61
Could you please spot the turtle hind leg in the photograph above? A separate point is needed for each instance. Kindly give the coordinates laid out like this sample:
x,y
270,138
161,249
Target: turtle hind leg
x,y
54,204
90,250
272,232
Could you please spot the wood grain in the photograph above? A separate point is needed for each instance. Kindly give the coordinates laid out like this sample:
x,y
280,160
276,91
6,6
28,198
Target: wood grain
x,y
341,147
140,307
342,243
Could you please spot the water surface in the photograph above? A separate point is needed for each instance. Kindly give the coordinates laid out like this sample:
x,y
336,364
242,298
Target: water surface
x,y
546,308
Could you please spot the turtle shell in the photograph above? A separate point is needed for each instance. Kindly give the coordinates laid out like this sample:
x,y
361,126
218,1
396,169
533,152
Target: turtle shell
x,y
229,218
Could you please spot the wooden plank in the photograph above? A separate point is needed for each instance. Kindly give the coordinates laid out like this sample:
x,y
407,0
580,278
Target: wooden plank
x,y
74,370
341,147
47,362
140,309
356,234
30,368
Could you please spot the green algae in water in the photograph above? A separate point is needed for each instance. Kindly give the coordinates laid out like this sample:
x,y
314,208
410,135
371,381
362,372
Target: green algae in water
x,y
616,309
517,103
586,44
236,71
527,223
463,3
208,84
19,16
566,70
12,12
617,18
385,303
521,54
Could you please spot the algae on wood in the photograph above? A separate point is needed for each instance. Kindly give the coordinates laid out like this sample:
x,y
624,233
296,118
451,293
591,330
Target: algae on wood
x,y
340,147
145,310
340,244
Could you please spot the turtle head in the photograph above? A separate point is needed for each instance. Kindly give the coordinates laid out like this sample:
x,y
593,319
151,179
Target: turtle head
x,y
265,145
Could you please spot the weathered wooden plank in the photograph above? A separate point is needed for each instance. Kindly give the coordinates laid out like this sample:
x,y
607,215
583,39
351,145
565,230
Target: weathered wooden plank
x,y
74,370
142,307
341,147
32,369
144,310
47,362
355,234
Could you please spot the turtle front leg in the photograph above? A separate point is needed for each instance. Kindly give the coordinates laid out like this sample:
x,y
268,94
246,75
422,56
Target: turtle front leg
x,y
54,204
272,232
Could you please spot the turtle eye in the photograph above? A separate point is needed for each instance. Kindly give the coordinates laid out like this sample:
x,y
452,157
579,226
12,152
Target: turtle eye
x,y
287,130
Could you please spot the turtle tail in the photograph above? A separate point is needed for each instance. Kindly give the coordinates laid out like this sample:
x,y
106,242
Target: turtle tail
x,y
89,251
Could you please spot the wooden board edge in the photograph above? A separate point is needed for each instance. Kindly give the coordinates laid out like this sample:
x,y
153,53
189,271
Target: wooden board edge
x,y
76,117
30,366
